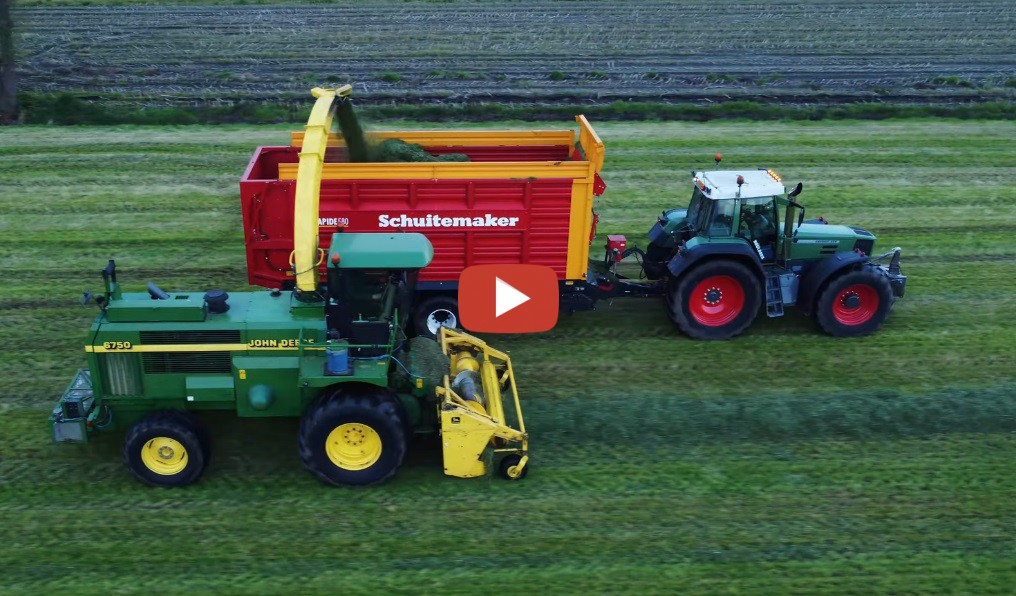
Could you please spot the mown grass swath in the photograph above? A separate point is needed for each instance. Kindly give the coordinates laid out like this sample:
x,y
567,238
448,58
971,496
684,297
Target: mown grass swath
x,y
781,461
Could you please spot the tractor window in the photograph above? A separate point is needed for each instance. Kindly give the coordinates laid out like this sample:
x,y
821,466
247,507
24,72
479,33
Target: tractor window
x,y
758,219
721,221
698,207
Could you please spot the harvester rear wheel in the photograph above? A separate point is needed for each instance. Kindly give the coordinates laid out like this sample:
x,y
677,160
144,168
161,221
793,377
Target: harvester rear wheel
x,y
165,449
854,304
353,439
715,300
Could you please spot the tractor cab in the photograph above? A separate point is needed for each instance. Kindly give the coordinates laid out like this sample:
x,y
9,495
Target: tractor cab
x,y
747,206
727,204
370,284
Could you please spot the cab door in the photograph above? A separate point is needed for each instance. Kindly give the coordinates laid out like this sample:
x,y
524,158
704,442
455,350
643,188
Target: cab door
x,y
759,225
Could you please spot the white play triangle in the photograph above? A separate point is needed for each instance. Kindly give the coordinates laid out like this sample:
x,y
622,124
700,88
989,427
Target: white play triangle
x,y
506,297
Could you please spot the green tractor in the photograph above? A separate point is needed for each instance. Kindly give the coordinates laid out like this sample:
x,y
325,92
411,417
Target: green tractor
x,y
336,356
743,243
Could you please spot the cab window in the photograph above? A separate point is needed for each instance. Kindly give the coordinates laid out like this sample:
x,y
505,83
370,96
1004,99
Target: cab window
x,y
698,207
721,220
758,219
364,291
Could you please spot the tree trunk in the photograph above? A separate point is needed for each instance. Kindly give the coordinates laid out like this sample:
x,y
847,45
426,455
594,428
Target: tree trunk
x,y
8,78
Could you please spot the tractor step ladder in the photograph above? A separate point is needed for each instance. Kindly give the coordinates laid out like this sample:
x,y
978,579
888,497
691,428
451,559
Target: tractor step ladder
x,y
774,296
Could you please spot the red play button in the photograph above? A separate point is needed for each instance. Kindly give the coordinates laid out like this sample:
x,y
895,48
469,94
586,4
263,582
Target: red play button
x,y
508,298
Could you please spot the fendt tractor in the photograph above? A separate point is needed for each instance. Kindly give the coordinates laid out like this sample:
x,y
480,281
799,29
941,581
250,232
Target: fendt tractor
x,y
334,354
718,261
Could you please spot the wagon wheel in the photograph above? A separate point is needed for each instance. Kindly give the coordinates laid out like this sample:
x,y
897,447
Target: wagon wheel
x,y
434,313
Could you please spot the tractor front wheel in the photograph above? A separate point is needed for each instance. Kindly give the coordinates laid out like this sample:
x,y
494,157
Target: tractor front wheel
x,y
165,449
854,304
716,300
353,439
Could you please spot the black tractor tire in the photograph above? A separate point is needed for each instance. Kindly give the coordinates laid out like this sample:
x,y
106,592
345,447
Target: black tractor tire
x,y
151,450
854,304
715,300
436,312
340,433
669,287
204,435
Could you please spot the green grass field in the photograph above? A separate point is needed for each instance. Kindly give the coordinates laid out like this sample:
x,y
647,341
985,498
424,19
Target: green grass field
x,y
783,461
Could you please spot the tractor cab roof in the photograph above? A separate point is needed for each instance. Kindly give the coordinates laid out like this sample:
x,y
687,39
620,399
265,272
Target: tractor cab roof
x,y
722,184
380,251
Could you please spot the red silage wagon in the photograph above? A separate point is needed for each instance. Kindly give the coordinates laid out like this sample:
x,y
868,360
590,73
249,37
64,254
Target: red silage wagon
x,y
523,197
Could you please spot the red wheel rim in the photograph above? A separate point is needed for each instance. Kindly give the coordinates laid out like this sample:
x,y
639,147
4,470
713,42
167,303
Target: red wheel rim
x,y
716,300
855,305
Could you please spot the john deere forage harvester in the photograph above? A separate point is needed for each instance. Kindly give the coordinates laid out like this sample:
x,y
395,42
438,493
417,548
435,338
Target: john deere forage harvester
x,y
334,355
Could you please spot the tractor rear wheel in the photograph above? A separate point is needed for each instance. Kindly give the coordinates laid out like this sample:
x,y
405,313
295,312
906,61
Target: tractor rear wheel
x,y
854,304
716,300
165,449
353,439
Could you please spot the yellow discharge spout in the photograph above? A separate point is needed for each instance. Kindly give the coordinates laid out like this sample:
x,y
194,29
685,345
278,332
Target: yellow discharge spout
x,y
308,186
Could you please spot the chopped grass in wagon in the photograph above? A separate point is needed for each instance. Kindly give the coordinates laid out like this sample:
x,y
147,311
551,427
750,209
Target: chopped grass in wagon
x,y
363,149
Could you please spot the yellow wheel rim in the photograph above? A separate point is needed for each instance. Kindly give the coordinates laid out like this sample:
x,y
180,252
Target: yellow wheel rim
x,y
164,456
353,446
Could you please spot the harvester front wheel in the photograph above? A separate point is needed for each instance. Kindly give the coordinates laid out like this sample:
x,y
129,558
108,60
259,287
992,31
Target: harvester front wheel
x,y
854,304
716,300
165,449
353,439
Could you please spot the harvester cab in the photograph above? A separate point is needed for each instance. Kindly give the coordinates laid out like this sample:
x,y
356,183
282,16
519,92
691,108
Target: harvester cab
x,y
370,282
336,356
